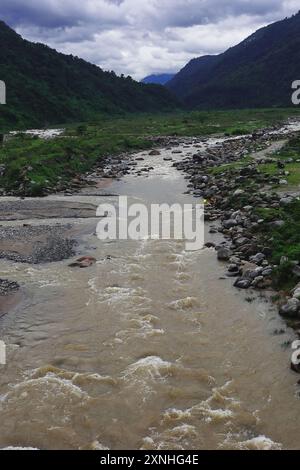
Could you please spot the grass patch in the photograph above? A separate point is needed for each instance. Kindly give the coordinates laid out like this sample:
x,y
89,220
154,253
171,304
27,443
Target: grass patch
x,y
231,166
284,241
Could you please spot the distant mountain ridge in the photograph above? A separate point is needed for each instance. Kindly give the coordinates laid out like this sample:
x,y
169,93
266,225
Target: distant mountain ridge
x,y
46,87
258,72
158,79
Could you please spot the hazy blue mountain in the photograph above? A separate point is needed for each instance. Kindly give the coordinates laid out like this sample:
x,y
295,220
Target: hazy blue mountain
x,y
158,79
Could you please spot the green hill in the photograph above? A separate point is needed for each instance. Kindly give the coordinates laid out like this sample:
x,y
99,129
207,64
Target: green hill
x,y
46,87
256,73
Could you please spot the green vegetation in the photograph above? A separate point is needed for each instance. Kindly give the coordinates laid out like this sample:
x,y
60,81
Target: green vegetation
x,y
284,241
291,151
217,170
33,164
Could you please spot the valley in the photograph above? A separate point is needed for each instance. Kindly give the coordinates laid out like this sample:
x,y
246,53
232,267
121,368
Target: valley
x,y
145,331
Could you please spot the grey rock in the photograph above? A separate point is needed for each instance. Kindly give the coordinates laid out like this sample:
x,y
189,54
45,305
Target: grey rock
x,y
291,309
286,200
224,254
229,223
241,241
296,294
258,258
277,223
257,281
242,283
267,272
238,192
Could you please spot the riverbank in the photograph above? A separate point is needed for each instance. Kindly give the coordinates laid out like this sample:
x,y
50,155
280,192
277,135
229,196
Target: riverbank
x,y
251,186
42,162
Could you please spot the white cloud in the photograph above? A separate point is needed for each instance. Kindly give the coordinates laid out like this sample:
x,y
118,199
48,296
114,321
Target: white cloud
x,y
138,37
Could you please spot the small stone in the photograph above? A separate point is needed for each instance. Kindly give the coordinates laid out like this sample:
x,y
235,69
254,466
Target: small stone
x,y
267,272
257,281
258,258
238,192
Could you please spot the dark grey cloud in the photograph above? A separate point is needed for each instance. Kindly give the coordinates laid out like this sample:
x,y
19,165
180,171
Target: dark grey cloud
x,y
141,36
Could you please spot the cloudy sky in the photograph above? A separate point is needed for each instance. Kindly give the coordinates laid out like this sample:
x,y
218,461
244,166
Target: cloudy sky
x,y
139,37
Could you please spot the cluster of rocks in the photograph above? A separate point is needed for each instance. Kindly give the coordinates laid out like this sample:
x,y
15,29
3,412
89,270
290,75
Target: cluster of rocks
x,y
8,287
36,244
110,167
232,199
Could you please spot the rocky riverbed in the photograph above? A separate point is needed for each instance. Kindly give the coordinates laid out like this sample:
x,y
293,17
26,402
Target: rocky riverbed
x,y
233,197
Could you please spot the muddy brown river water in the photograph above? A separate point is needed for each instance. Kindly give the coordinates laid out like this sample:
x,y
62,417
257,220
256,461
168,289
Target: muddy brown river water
x,y
150,348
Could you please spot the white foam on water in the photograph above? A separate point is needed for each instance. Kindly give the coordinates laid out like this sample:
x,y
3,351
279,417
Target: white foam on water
x,y
20,448
292,126
78,379
96,445
151,367
49,385
115,295
143,328
176,438
184,304
207,410
256,443
144,374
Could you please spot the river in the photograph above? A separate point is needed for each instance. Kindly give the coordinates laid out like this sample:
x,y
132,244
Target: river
x,y
150,348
